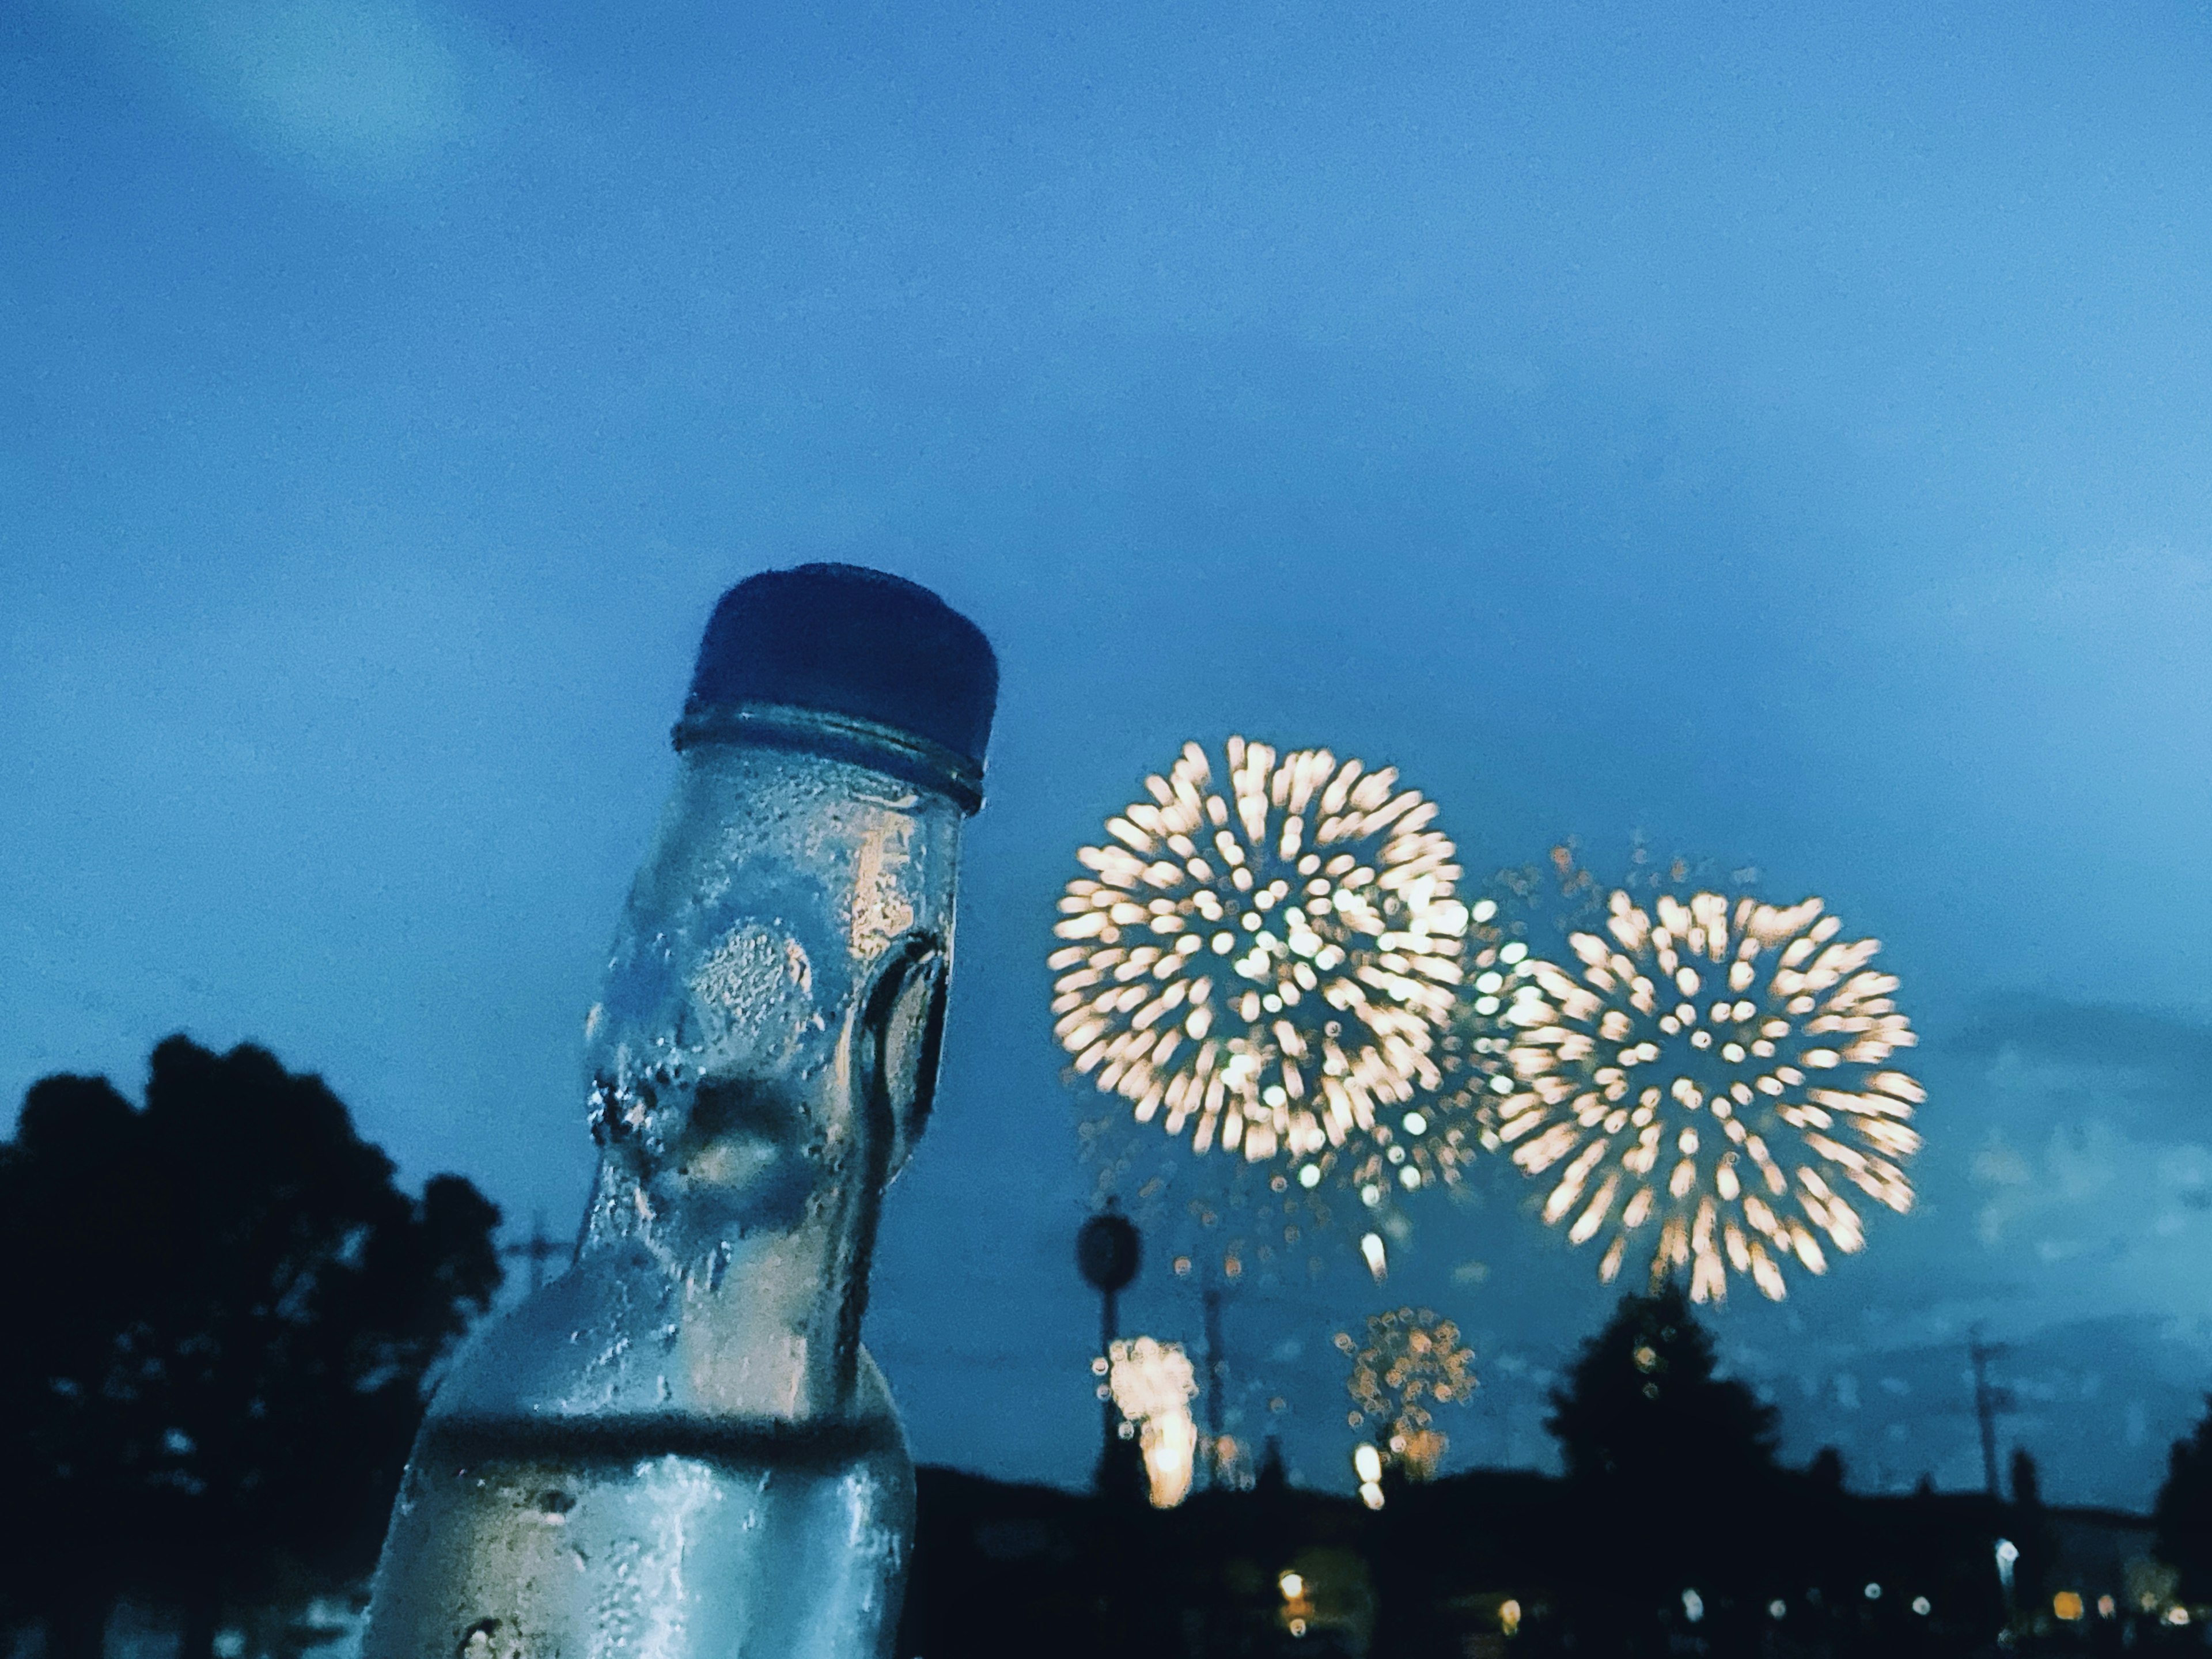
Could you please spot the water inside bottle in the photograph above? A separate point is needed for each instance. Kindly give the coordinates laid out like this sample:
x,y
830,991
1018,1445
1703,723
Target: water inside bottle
x,y
647,1538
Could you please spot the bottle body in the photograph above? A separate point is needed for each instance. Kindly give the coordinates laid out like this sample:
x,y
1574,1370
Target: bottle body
x,y
678,1449
692,1538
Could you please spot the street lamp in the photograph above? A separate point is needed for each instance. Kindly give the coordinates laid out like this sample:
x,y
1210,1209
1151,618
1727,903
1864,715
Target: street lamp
x,y
1108,1252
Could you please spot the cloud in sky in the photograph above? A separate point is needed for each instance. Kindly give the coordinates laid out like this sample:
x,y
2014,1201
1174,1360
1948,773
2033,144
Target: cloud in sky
x,y
370,90
2066,1205
2049,1056
2078,1157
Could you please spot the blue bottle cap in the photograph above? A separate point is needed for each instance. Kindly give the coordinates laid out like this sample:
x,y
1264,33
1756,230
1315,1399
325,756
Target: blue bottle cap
x,y
840,659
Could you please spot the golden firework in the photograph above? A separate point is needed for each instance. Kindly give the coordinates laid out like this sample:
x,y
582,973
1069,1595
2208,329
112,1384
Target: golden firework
x,y
1152,1384
1272,964
1410,1356
1703,1047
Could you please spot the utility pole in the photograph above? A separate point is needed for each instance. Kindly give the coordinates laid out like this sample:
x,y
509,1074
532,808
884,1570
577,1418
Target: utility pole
x,y
539,1249
1217,1382
1108,1252
1990,1399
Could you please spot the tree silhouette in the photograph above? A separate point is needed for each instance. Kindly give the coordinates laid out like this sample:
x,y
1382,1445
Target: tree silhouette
x,y
74,1188
1643,1403
2183,1511
1824,1473
222,1361
1668,1464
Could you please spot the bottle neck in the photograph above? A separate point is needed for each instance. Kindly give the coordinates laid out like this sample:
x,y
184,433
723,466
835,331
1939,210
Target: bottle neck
x,y
761,1060
755,1323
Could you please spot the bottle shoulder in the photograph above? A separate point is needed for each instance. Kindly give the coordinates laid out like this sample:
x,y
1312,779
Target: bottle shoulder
x,y
616,1340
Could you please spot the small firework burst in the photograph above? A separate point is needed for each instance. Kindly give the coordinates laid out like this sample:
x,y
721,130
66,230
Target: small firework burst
x,y
1152,1384
1272,965
1411,1357
1703,1045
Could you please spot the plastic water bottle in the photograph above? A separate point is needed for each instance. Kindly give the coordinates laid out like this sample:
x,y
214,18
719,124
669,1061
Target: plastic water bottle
x,y
679,1450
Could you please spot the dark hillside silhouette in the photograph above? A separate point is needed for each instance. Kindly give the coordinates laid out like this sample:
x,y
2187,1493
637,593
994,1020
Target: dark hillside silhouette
x,y
221,1315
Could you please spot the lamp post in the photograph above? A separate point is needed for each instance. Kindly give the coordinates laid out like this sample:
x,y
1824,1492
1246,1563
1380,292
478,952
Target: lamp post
x,y
1108,1252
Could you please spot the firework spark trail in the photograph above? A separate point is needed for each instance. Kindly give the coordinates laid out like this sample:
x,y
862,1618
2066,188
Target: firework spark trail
x,y
1273,966
1721,1041
1524,903
1410,1356
1229,1218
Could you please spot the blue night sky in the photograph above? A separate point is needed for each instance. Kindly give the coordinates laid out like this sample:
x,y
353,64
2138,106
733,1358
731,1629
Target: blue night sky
x,y
1779,432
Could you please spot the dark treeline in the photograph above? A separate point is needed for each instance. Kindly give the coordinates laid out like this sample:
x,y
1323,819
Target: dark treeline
x,y
1474,1566
220,1313
1672,1530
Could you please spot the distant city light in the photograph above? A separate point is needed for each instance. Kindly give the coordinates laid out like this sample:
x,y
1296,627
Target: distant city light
x,y
2008,1556
1693,1606
2177,1615
1874,1592
1777,1608
2067,1604
2106,1607
1296,1606
1921,1605
1367,1464
1371,1247
1508,1616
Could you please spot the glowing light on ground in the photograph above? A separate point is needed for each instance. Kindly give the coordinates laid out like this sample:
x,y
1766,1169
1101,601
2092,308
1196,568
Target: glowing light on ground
x,y
1367,1464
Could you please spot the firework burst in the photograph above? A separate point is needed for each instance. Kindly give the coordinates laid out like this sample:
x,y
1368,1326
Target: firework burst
x,y
1272,964
1152,1384
1410,1357
1703,1046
